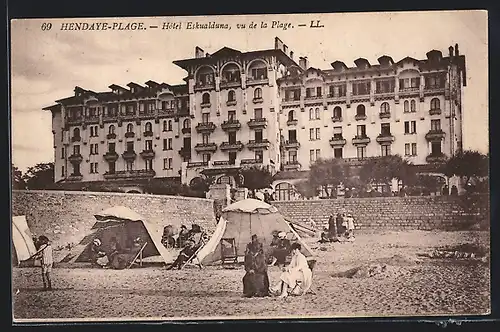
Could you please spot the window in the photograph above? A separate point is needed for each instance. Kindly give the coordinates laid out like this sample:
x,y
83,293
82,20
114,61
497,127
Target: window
x,y
386,150
316,113
360,110
312,156
205,117
111,147
63,153
337,152
361,152
231,116
337,132
337,112
311,134
292,135
76,149
384,108
206,157
148,127
291,115
318,92
231,96
186,124
149,164
205,138
436,125
284,191
169,126
111,167
232,158
318,136
259,73
435,81
62,171
259,155
76,133
436,148
257,94
130,165
361,131
232,137
111,129
130,128
258,113
167,163
205,98
384,86
150,106
292,156
435,104
385,129
406,108
413,106
337,91
309,92
409,83
407,149
94,149
311,114
362,88
94,168
165,125
413,149
318,154
130,146
410,127
258,135
148,145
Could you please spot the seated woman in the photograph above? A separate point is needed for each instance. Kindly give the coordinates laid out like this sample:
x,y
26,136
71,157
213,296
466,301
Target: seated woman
x,y
256,280
296,278
184,255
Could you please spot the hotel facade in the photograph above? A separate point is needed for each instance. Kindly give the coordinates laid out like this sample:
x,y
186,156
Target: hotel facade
x,y
239,109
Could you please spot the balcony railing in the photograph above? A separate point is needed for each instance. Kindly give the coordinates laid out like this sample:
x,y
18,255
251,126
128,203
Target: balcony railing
x,y
111,136
92,119
254,123
133,174
129,155
74,121
230,84
292,122
205,147
76,139
231,102
262,80
197,164
250,161
385,138
258,144
290,101
130,134
313,97
258,100
359,117
292,144
435,111
435,135
337,141
361,140
148,154
231,124
204,86
186,130
205,127
148,134
436,158
336,118
111,156
228,146
384,115
75,158
205,105
291,165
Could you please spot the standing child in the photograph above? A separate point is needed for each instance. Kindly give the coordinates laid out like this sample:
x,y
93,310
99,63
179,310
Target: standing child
x,y
45,254
350,227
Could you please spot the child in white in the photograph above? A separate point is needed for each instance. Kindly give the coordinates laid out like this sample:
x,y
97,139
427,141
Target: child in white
x,y
45,254
350,227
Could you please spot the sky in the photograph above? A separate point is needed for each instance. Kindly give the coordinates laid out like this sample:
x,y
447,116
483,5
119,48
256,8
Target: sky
x,y
46,65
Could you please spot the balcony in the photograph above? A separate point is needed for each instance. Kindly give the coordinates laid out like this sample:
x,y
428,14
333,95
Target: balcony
x,y
75,177
231,146
435,135
166,112
231,103
111,156
185,152
256,123
436,158
436,111
92,120
197,164
258,100
133,174
205,147
290,101
359,117
258,144
360,140
255,81
384,115
204,127
205,105
130,134
231,124
199,86
385,138
230,84
291,165
292,144
337,141
148,154
111,136
186,130
74,121
75,158
336,118
148,134
76,139
250,162
292,122
129,155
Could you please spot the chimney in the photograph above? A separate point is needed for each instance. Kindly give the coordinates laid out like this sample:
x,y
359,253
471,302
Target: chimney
x,y
456,50
303,62
291,55
278,44
285,49
207,55
450,50
198,52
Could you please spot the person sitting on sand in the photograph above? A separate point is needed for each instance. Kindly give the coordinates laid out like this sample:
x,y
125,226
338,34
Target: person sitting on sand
x,y
296,278
256,280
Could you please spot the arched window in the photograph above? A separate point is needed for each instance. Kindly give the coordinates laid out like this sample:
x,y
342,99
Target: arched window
x,y
337,112
148,127
435,104
284,191
406,106
384,108
316,113
360,110
311,114
413,106
76,132
206,98
169,125
165,125
111,129
291,115
257,94
231,96
186,124
130,128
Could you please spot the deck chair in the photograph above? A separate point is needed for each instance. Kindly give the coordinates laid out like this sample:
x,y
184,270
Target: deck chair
x,y
229,251
190,259
138,256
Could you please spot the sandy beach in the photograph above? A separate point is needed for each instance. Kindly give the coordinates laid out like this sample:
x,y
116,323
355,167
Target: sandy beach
x,y
410,284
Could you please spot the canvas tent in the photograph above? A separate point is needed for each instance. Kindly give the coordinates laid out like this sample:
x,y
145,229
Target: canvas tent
x,y
239,221
22,240
125,225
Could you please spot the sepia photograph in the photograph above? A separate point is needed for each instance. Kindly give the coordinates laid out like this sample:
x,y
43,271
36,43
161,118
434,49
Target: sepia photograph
x,y
282,166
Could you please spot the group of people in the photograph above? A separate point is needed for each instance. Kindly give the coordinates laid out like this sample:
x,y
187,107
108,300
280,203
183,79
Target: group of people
x,y
114,255
190,241
179,240
340,228
295,279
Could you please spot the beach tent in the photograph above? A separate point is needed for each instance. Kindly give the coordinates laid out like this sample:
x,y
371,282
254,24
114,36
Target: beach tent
x,y
239,221
22,239
124,225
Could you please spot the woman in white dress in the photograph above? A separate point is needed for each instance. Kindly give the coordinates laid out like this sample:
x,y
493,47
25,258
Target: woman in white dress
x,y
296,277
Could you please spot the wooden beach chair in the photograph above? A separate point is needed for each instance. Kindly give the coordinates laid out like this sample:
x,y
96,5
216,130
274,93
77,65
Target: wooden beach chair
x,y
137,257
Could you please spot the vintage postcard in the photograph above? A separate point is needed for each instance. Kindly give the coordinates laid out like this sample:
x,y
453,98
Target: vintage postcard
x,y
250,167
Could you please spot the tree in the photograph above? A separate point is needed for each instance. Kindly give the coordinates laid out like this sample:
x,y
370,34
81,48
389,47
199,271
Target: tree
x,y
327,173
40,176
384,169
255,178
17,179
306,189
467,164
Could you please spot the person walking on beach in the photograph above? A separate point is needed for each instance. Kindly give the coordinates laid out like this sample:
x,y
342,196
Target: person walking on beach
x,y
45,254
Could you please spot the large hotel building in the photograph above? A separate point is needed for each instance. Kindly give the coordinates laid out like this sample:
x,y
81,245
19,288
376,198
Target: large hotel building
x,y
264,107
